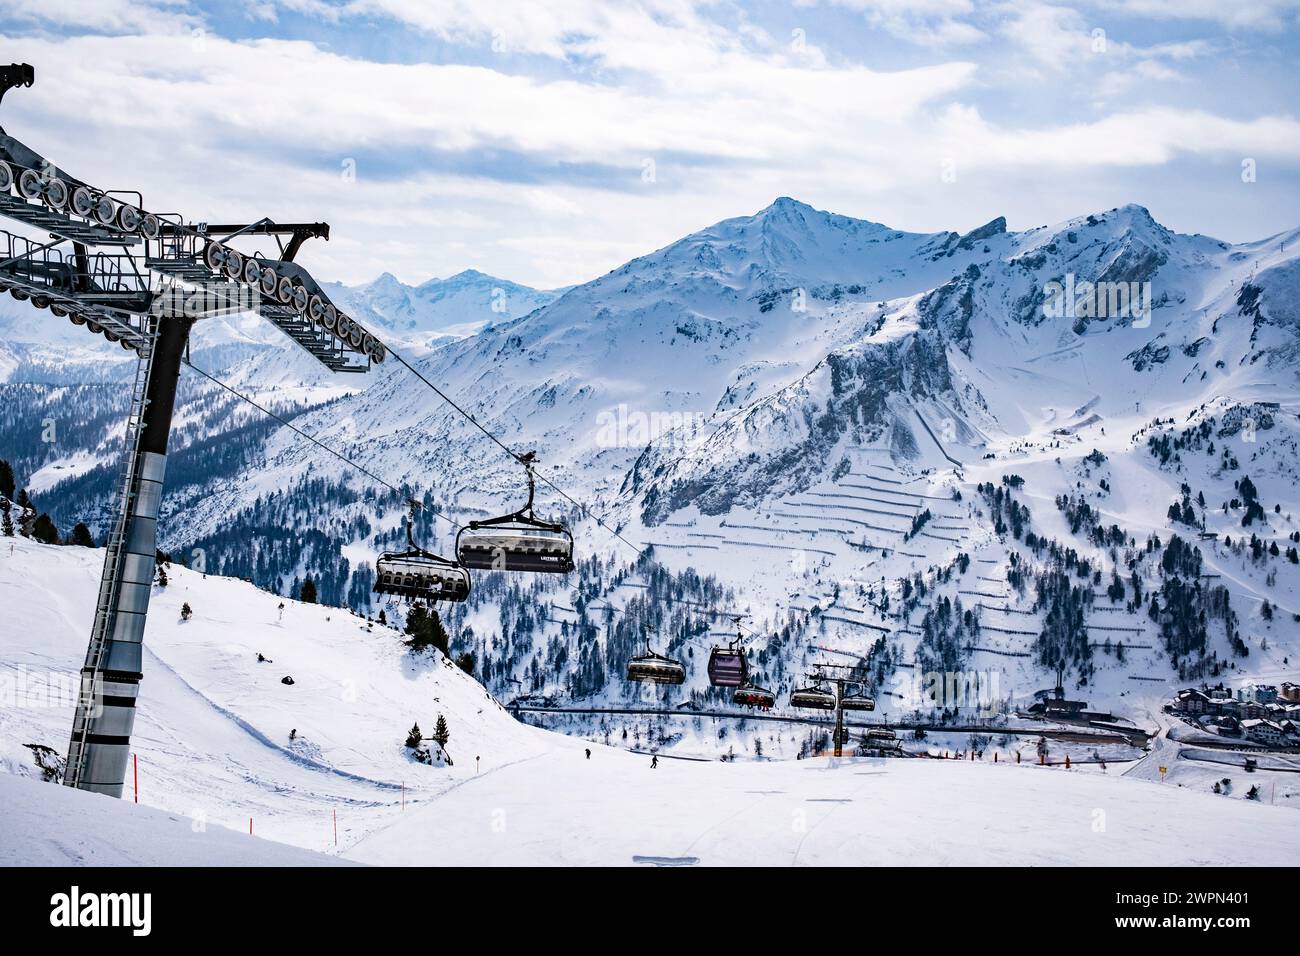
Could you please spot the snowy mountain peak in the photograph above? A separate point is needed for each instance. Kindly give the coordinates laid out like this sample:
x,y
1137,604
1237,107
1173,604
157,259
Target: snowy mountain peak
x,y
466,276
385,283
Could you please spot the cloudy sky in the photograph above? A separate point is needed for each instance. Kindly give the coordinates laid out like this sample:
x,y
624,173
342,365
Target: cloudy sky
x,y
550,142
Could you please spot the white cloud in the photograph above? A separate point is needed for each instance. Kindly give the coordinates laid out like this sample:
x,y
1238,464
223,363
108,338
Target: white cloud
x,y
1237,14
736,111
109,16
932,23
1137,138
537,176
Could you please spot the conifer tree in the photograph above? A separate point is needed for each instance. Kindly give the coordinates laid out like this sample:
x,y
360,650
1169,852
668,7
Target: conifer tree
x,y
424,627
440,732
44,530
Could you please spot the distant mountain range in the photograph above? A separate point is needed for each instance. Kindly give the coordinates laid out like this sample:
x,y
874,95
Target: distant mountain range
x,y
37,346
459,305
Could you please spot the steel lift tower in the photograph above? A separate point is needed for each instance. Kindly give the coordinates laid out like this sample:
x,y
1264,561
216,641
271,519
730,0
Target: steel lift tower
x,y
142,279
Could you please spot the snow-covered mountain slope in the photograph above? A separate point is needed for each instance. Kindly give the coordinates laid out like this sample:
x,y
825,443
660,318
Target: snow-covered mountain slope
x,y
218,736
808,416
213,737
781,324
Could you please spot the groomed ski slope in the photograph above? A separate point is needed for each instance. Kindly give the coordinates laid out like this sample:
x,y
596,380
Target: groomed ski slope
x,y
561,809
212,740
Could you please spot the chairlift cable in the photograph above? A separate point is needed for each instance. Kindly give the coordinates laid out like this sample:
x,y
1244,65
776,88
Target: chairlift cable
x,y
315,441
506,448
475,422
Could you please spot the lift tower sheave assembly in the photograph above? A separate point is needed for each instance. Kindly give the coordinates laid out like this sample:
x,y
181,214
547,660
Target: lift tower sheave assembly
x,y
142,279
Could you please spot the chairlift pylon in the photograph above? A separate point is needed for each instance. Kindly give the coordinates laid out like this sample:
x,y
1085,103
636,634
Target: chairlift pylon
x,y
417,574
518,541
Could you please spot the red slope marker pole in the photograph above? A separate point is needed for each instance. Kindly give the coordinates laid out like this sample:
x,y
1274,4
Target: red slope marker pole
x,y
336,827
250,826
135,772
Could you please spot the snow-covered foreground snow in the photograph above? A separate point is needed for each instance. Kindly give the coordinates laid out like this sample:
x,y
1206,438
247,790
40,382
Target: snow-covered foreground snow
x,y
45,825
213,729
213,740
561,809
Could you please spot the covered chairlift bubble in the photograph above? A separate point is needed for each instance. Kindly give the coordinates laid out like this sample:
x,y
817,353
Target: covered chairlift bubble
x,y
728,666
655,668
416,574
517,542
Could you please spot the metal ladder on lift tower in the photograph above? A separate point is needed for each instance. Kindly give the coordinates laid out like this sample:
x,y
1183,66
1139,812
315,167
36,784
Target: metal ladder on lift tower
x,y
91,678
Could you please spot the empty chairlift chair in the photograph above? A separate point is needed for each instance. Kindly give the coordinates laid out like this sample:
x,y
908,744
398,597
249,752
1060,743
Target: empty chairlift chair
x,y
516,542
857,700
419,575
655,668
813,698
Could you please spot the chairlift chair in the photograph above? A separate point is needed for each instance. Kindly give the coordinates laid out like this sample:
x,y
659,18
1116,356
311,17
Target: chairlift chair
x,y
751,695
516,542
857,700
655,668
813,698
416,574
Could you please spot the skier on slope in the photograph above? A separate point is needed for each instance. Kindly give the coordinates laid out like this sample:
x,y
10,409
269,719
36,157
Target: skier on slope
x,y
588,753
654,761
